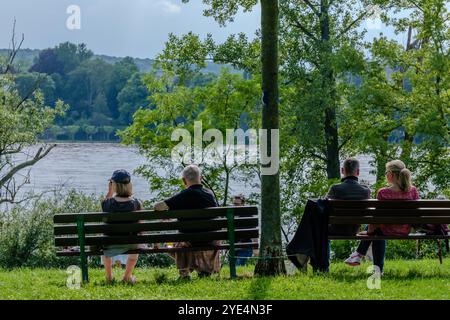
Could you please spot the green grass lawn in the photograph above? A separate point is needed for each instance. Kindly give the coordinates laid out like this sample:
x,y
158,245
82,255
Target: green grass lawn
x,y
422,279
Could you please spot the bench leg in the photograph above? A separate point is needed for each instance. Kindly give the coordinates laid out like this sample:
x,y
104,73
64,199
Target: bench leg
x,y
83,256
232,267
84,268
231,241
440,251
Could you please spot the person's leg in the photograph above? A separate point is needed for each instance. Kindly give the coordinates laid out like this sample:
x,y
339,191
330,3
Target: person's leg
x,y
379,251
107,262
363,247
328,255
131,263
183,262
243,256
239,261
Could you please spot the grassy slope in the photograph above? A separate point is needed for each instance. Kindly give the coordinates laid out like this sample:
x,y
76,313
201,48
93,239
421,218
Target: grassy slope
x,y
424,279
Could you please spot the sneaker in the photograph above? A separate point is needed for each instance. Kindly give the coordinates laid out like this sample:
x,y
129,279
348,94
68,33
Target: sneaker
x,y
354,259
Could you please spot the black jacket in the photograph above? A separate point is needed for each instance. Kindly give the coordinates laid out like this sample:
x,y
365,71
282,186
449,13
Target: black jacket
x,y
348,189
311,237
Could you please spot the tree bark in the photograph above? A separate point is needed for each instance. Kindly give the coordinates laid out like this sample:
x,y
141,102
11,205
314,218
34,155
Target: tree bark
x,y
329,97
271,262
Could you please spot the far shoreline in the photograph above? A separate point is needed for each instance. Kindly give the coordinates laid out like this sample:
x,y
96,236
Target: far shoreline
x,y
79,141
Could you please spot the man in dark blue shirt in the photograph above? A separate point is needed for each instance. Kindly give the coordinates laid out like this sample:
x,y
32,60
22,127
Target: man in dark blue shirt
x,y
195,196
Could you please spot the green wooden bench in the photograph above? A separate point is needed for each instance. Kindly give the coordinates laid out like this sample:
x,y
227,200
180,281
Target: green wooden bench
x,y
415,212
91,231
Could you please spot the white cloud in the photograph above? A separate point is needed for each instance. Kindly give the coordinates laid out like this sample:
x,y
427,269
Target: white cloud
x,y
167,6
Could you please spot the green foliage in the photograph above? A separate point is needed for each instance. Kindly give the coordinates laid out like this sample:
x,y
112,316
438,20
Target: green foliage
x,y
134,95
388,102
90,85
223,11
23,120
404,113
219,104
72,131
26,231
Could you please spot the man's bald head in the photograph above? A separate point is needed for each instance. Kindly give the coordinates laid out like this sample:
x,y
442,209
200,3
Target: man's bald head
x,y
192,175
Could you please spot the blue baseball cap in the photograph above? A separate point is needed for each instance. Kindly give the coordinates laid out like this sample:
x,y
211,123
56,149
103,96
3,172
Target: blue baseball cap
x,y
121,176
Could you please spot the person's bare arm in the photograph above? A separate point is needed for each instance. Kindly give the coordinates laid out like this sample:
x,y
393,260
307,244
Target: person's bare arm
x,y
161,206
110,193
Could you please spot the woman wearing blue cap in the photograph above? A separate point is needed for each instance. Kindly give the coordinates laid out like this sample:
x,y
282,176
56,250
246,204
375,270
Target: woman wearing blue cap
x,y
120,199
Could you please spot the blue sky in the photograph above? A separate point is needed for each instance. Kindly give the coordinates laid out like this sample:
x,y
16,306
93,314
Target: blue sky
x,y
135,28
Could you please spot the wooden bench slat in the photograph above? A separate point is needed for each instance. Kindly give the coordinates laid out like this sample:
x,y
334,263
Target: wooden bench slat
x,y
157,238
253,245
389,204
389,220
391,212
96,228
155,215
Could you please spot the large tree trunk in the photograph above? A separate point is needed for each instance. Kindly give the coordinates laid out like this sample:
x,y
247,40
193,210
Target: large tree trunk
x,y
329,95
270,248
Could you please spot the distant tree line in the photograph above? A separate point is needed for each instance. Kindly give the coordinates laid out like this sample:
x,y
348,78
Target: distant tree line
x,y
102,96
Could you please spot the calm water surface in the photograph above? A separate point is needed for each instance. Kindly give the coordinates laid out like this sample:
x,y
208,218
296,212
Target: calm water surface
x,y
88,166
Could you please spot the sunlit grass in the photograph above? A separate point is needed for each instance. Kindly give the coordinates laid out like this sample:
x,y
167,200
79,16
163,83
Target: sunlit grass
x,y
422,279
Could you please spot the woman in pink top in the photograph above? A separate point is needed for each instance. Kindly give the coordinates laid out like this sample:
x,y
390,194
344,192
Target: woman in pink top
x,y
400,188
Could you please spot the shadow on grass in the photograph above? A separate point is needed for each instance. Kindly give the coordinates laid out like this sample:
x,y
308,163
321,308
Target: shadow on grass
x,y
259,288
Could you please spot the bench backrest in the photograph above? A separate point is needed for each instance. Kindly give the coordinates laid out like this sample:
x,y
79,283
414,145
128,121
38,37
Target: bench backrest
x,y
389,211
116,228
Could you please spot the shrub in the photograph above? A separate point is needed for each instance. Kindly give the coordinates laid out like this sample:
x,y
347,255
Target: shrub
x,y
26,231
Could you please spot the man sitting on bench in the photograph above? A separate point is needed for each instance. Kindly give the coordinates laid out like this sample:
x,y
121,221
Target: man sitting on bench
x,y
193,197
348,189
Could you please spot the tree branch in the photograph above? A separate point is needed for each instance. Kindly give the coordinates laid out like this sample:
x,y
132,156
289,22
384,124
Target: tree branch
x,y
297,23
28,95
14,48
346,140
312,7
318,156
346,29
38,156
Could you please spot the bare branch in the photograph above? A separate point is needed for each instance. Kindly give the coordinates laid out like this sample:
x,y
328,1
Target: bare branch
x,y
347,28
305,31
31,92
312,7
38,156
14,48
416,5
315,155
207,184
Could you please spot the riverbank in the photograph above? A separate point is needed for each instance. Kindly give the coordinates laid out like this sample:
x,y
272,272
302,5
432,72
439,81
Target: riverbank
x,y
419,279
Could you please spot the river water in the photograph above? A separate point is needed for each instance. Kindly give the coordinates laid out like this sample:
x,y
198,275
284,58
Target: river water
x,y
88,166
